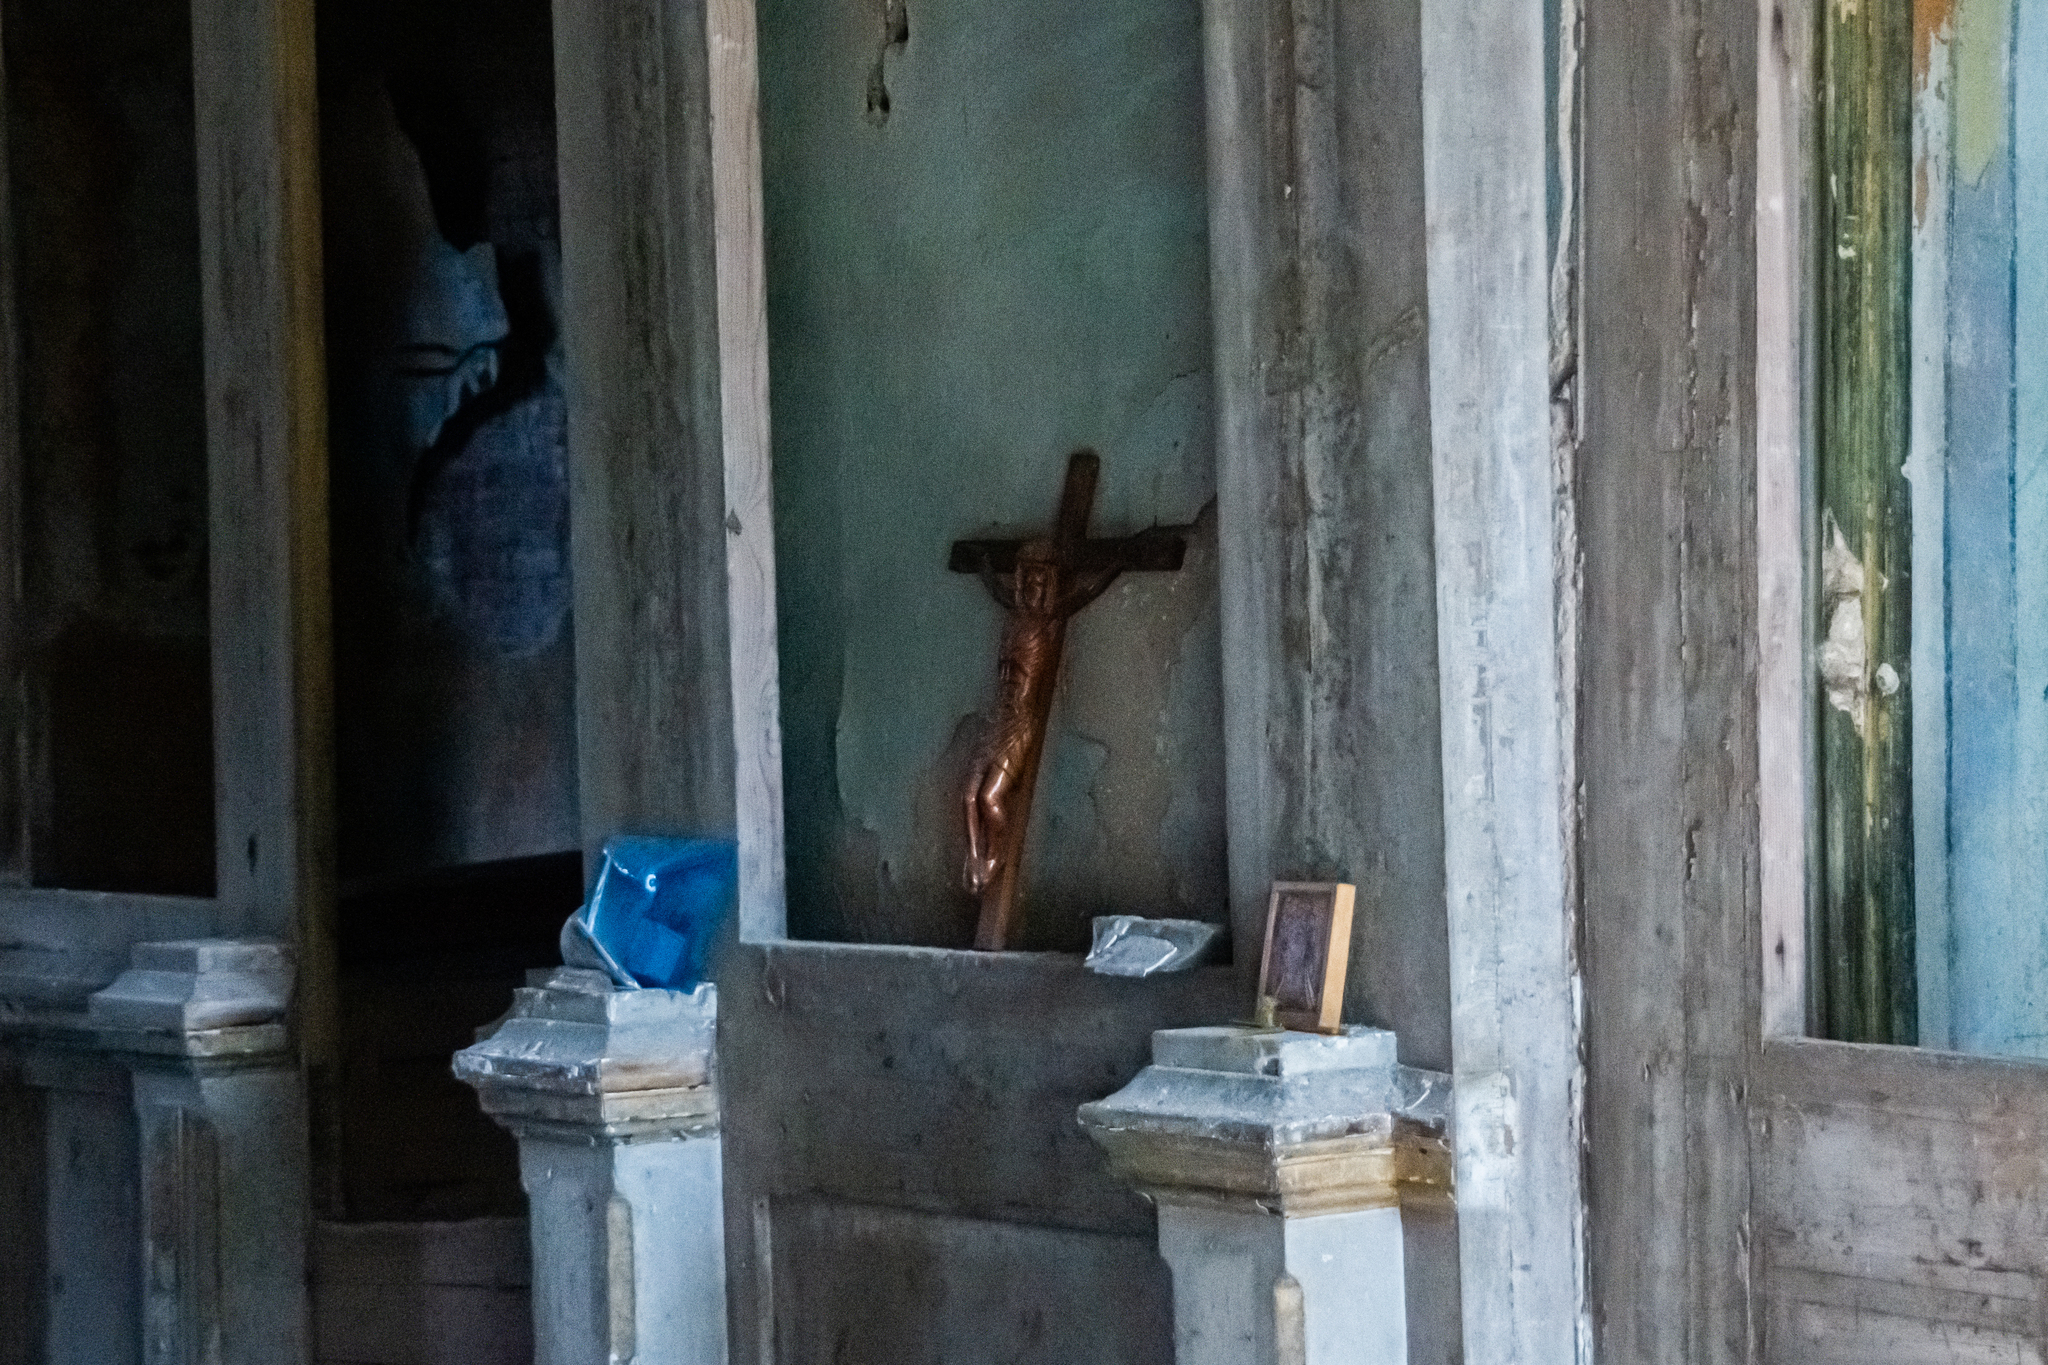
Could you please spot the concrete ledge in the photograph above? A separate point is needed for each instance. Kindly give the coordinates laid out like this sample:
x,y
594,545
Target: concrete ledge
x,y
1294,1124
226,992
577,1059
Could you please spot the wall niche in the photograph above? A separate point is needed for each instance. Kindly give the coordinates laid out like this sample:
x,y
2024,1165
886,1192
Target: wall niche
x,y
458,834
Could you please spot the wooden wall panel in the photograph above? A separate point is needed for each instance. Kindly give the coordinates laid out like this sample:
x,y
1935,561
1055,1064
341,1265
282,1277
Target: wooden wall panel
x,y
1665,493
423,1293
1320,306
1902,1205
933,1084
939,1079
880,1286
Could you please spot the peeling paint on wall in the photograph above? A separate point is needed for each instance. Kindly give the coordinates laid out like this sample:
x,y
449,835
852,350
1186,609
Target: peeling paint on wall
x,y
1933,22
895,33
1842,652
1933,64
1983,31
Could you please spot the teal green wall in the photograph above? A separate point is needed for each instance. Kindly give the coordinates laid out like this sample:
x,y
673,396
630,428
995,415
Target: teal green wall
x,y
1011,263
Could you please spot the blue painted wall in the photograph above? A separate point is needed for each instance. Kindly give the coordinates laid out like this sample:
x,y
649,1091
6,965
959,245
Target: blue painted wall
x,y
1994,951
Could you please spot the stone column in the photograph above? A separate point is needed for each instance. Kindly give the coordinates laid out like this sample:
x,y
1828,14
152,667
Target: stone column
x,y
219,1118
612,1096
1279,1163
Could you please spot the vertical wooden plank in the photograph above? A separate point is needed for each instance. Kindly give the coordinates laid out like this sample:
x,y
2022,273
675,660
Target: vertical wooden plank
x,y
1504,559
1254,250
735,97
1667,746
1319,304
648,525
1865,979
670,526
1927,473
266,414
14,769
1784,731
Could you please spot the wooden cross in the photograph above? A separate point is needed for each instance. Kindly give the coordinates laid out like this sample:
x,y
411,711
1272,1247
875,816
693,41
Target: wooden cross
x,y
1041,583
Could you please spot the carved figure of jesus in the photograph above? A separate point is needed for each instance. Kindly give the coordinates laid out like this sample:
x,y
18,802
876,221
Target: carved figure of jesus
x,y
1041,584
1040,603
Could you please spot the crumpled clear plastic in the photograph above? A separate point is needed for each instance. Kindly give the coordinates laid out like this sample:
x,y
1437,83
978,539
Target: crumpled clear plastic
x,y
655,911
1131,945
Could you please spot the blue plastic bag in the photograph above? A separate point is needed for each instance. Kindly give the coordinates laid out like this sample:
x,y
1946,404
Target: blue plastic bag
x,y
656,908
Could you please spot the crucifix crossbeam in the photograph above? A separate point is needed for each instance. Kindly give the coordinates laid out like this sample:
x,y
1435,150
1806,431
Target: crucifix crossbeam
x,y
1041,583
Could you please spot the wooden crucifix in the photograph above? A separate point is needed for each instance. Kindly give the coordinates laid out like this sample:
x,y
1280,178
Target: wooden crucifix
x,y
1041,584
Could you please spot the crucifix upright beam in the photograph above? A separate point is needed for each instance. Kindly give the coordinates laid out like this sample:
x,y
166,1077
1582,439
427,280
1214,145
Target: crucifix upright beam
x,y
1041,583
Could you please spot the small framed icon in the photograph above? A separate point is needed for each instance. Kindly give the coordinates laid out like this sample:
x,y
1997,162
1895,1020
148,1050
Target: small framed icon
x,y
1308,951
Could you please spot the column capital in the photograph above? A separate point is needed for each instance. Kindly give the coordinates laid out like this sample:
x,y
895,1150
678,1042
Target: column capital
x,y
214,1001
578,1059
1289,1124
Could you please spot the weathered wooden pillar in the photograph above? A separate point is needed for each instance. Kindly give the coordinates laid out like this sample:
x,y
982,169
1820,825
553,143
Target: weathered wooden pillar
x,y
1502,412
1279,1163
671,534
258,158
612,1096
176,1148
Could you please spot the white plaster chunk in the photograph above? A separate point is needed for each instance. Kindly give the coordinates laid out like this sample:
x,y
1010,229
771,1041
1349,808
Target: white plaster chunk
x,y
1843,652
199,987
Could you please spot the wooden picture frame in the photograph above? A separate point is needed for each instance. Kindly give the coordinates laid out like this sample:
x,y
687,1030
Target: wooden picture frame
x,y
1307,953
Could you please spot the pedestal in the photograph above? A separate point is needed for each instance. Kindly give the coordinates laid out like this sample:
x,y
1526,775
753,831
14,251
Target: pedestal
x,y
1279,1164
179,1227
612,1096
